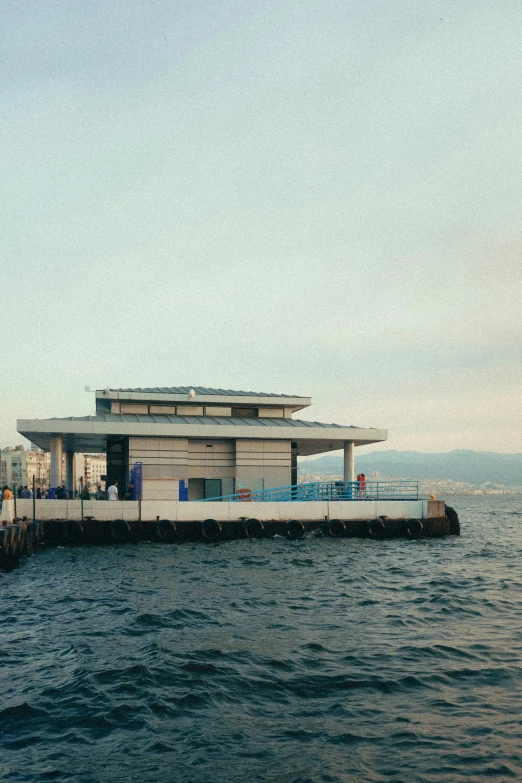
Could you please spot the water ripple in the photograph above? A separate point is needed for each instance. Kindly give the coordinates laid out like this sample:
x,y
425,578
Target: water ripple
x,y
315,660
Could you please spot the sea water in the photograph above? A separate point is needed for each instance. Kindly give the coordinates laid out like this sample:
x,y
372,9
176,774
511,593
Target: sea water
x,y
273,660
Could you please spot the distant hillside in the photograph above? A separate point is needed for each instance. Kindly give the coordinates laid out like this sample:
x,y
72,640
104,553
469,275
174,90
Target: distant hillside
x,y
473,467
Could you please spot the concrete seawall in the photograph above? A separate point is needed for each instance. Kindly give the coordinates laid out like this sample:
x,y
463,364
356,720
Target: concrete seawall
x,y
190,511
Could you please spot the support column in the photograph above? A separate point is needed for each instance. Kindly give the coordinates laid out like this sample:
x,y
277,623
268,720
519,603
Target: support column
x,y
69,472
349,462
56,460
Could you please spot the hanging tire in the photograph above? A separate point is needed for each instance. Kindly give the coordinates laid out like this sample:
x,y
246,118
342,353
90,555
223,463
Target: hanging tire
x,y
120,530
454,521
253,528
211,530
376,528
295,529
336,528
166,530
414,528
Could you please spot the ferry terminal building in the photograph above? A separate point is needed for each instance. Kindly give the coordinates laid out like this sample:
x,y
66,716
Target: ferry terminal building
x,y
195,442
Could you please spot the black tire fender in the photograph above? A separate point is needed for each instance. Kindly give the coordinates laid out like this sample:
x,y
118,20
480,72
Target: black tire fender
x,y
454,521
336,528
73,531
16,540
5,542
166,530
414,528
211,530
376,528
253,528
120,530
32,530
295,529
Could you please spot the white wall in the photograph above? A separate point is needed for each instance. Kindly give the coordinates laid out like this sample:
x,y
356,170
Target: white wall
x,y
187,511
261,464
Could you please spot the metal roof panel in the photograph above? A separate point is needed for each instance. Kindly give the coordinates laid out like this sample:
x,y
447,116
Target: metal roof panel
x,y
204,390
138,418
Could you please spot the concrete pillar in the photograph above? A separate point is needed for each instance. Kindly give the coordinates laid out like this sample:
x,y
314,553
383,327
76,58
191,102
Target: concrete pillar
x,y
349,462
69,472
56,460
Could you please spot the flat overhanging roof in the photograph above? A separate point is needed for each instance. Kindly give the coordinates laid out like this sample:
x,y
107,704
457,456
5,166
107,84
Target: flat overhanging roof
x,y
90,433
204,395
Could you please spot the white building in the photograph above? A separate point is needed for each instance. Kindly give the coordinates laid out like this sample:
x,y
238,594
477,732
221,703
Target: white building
x,y
19,466
208,442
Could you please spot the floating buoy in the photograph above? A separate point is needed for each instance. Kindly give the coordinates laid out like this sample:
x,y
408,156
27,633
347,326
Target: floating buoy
x,y
295,529
120,530
376,528
336,528
211,530
166,529
414,528
253,528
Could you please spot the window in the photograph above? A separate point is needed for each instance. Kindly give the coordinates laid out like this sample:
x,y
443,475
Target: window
x,y
245,413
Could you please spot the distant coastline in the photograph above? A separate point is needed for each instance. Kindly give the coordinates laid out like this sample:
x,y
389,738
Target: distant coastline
x,y
459,472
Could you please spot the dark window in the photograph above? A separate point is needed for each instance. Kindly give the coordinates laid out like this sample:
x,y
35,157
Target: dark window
x,y
245,413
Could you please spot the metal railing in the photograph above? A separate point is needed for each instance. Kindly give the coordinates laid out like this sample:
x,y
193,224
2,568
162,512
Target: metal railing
x,y
328,490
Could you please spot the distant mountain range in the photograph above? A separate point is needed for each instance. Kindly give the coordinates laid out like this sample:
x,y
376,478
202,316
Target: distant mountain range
x,y
473,467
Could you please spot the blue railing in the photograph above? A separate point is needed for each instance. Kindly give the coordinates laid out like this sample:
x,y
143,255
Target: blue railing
x,y
329,490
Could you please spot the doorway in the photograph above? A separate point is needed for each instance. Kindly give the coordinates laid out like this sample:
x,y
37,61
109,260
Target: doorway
x,y
199,488
213,488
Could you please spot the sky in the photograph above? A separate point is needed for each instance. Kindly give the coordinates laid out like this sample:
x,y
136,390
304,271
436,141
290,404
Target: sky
x,y
320,197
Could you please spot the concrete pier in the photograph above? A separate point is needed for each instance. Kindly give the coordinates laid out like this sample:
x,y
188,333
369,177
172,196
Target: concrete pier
x,y
22,537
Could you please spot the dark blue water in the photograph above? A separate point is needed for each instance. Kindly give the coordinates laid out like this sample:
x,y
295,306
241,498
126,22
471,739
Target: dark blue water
x,y
315,660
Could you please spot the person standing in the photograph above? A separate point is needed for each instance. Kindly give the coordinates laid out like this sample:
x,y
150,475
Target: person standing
x,y
26,494
112,492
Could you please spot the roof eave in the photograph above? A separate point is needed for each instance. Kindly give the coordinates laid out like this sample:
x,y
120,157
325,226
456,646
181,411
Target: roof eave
x,y
252,400
324,438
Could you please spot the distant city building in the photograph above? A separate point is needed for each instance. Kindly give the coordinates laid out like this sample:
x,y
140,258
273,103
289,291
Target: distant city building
x,y
18,467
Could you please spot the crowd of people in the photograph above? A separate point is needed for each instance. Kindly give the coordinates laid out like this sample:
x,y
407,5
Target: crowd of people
x,y
62,493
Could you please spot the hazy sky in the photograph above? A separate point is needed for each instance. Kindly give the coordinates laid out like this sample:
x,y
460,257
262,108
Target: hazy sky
x,y
317,197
